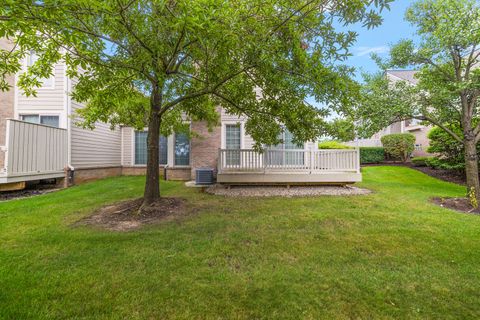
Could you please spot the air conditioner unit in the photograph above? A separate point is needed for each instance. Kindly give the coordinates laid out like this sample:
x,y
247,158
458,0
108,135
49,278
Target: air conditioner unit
x,y
204,176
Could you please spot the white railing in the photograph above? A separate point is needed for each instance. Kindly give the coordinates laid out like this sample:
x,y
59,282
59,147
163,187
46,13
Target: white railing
x,y
34,149
248,160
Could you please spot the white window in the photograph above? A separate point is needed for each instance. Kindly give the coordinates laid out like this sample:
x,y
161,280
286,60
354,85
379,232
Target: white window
x,y
182,149
48,120
141,148
47,83
233,142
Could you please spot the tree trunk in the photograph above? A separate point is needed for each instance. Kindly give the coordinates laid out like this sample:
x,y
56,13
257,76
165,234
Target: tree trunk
x,y
152,184
471,167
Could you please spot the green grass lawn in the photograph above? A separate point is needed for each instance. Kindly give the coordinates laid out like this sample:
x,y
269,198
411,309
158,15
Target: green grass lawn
x,y
390,254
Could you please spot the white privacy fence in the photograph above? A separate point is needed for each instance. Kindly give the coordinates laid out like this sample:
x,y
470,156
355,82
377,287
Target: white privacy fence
x,y
34,149
313,161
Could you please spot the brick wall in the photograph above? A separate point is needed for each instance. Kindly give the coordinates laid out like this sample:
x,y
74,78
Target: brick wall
x,y
182,174
204,149
85,175
137,171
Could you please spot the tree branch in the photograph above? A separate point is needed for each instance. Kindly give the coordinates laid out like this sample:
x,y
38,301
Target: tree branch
x,y
476,132
448,130
229,101
204,91
129,29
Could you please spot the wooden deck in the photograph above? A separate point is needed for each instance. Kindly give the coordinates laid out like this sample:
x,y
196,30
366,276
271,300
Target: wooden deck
x,y
246,166
33,152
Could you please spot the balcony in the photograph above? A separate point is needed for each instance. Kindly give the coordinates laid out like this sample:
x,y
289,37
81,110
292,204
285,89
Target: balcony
x,y
33,152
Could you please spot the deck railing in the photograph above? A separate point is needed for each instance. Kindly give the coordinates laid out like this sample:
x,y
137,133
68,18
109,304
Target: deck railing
x,y
271,160
34,149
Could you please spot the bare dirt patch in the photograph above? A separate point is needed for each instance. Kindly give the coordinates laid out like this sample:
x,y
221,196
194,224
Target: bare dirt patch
x,y
283,191
457,204
125,216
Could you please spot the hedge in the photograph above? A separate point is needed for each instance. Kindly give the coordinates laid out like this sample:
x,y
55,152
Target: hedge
x,y
372,155
332,145
420,161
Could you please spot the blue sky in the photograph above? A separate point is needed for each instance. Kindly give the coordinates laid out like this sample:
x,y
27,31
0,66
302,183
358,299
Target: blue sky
x,y
378,40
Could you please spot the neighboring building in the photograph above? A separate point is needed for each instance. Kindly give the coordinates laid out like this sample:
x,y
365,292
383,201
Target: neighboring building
x,y
43,140
412,126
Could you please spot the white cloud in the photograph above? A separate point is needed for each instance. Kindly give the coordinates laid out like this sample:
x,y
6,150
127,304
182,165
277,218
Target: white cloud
x,y
363,51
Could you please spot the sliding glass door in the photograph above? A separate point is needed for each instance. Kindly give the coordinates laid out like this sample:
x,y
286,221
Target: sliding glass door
x,y
281,155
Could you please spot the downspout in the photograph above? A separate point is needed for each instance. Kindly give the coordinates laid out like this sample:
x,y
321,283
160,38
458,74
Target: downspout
x,y
69,170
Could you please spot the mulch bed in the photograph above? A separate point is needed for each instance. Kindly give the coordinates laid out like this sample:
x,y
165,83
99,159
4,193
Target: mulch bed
x,y
125,216
25,193
445,175
458,204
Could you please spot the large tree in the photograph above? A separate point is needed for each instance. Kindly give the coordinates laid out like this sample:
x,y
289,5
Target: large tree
x,y
448,90
155,61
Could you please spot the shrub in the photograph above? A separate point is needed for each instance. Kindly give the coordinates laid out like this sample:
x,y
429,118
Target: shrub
x,y
332,145
371,155
433,162
420,161
445,146
437,163
399,146
450,151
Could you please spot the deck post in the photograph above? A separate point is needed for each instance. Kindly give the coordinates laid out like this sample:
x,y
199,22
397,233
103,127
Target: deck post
x,y
6,157
358,159
264,160
311,159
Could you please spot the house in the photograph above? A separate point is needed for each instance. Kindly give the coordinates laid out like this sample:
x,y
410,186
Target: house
x,y
41,140
412,126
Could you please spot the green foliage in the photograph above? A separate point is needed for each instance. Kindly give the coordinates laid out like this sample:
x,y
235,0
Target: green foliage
x,y
450,151
332,145
145,58
445,90
433,162
472,197
444,144
399,146
341,129
372,155
438,163
420,161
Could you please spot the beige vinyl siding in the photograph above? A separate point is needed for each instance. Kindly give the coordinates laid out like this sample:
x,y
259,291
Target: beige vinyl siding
x,y
247,140
100,147
127,146
48,100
